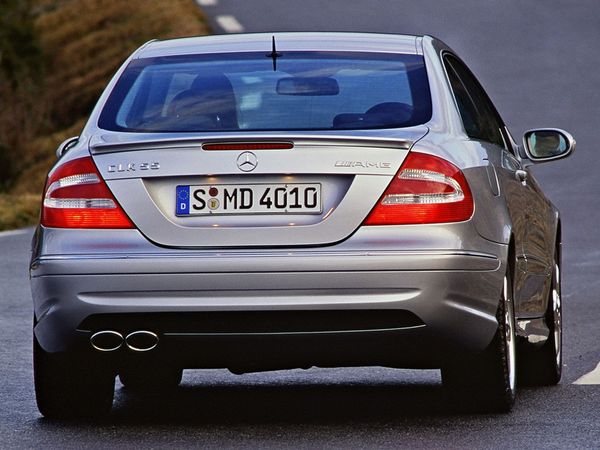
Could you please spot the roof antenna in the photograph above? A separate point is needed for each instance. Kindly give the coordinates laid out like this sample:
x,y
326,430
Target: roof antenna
x,y
274,55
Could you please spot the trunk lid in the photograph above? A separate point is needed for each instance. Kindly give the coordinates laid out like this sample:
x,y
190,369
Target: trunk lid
x,y
146,172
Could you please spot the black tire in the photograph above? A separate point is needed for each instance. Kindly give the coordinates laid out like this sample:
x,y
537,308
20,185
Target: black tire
x,y
69,387
145,378
543,367
488,381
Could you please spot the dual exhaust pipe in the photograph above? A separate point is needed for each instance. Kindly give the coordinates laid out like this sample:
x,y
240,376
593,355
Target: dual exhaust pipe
x,y
137,341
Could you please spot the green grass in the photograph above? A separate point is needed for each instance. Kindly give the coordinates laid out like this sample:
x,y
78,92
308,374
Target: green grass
x,y
76,46
18,211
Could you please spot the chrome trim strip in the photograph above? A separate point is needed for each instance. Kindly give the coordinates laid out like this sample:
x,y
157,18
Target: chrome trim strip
x,y
296,333
266,254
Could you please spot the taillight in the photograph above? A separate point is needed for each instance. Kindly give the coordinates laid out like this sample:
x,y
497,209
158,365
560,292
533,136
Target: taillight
x,y
426,189
76,196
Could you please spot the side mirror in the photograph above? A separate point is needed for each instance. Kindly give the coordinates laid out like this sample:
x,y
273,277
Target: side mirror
x,y
66,145
547,144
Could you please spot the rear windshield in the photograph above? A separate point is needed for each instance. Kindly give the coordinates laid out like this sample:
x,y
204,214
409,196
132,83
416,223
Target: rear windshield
x,y
257,92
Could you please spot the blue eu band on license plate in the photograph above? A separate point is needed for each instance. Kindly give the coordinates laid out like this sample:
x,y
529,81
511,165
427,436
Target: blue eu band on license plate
x,y
298,198
183,200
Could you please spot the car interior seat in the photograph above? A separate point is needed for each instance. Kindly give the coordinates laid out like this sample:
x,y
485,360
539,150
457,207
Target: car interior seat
x,y
387,114
209,103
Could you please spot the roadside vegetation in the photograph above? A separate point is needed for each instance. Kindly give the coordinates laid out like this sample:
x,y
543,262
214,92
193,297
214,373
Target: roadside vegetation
x,y
56,56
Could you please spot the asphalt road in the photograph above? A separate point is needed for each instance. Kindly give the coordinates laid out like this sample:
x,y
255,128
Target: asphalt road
x,y
539,61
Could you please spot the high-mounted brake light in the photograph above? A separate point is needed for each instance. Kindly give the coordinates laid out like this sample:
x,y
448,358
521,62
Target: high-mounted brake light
x,y
77,197
248,146
426,189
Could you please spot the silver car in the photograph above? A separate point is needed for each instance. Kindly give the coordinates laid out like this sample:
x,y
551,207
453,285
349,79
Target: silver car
x,y
258,202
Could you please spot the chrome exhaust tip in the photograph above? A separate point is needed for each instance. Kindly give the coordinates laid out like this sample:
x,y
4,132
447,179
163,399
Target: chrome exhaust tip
x,y
141,341
106,340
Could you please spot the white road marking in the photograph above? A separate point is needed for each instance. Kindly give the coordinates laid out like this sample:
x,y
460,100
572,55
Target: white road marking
x,y
592,377
13,232
206,2
229,24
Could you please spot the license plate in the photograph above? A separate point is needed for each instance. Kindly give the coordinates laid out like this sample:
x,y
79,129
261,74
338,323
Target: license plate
x,y
248,199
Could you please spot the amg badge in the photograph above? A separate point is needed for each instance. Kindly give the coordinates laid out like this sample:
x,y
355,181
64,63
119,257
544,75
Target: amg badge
x,y
366,164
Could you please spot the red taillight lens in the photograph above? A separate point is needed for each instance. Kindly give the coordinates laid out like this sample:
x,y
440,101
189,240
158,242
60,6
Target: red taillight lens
x,y
426,189
77,197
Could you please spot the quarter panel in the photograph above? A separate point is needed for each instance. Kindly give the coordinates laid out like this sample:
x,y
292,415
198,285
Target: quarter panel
x,y
541,239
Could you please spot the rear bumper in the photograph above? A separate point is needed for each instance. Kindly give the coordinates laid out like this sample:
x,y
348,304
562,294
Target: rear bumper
x,y
441,305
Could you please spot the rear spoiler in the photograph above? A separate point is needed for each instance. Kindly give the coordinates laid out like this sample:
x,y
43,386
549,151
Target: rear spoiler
x,y
398,139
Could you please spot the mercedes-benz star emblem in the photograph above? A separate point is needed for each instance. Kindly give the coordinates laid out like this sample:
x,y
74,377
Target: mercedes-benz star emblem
x,y
247,161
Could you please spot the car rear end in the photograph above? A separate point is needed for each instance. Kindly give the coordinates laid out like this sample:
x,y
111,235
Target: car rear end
x,y
288,215
418,290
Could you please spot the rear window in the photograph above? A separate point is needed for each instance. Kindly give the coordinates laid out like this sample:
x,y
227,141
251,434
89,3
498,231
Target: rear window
x,y
251,91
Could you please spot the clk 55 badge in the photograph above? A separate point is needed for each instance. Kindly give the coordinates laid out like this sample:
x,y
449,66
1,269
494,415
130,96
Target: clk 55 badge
x,y
132,167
